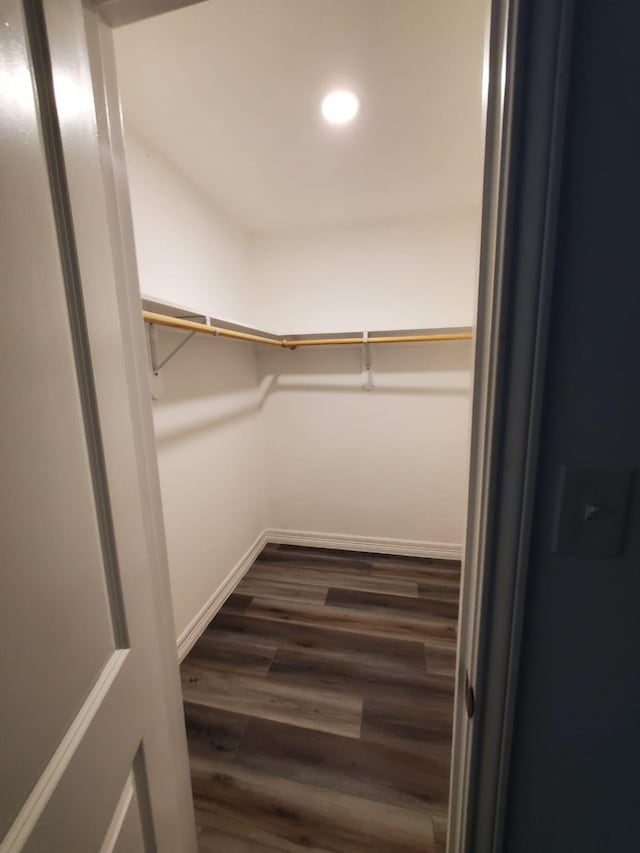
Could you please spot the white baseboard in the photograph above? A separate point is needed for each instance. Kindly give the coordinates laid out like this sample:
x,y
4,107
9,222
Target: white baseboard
x,y
195,628
374,544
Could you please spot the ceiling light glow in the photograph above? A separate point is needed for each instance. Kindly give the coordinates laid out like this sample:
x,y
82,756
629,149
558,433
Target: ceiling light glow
x,y
340,107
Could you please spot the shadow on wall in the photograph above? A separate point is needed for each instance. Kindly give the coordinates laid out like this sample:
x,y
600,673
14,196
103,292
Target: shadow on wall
x,y
437,369
212,388
208,386
434,357
401,390
205,366
180,432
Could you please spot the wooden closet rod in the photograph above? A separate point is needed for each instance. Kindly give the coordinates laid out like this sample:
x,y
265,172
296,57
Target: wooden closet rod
x,y
378,339
191,326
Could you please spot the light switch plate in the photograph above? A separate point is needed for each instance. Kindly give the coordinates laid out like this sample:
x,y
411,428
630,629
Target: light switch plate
x,y
592,512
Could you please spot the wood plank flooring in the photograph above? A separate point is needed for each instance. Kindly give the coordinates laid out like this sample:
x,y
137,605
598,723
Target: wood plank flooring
x,y
319,705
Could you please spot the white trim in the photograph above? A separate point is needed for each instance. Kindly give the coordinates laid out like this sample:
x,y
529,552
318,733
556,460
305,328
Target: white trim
x,y
119,815
374,544
497,118
164,800
195,628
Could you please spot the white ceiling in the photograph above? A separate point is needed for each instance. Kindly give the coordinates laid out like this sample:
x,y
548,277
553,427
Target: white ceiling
x,y
230,91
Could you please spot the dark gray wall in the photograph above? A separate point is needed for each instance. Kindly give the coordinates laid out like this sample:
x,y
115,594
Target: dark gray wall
x,y
575,771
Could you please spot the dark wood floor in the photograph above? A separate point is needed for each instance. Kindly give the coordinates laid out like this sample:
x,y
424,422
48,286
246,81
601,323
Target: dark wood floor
x,y
319,706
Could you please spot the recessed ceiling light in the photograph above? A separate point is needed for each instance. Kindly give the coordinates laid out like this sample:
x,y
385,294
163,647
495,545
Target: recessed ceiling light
x,y
340,106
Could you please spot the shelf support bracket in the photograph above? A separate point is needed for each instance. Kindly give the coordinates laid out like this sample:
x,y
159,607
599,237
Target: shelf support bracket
x,y
156,365
367,367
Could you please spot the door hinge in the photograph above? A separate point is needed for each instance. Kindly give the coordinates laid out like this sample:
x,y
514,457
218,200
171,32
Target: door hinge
x,y
469,697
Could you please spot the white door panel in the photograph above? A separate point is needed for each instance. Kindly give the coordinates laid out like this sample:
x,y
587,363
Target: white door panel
x,y
83,784
50,539
92,755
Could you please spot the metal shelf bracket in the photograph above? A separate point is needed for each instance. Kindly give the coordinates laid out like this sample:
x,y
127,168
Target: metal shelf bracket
x,y
367,366
156,365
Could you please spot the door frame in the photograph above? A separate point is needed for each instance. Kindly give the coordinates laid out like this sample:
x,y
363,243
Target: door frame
x,y
529,65
527,69
99,44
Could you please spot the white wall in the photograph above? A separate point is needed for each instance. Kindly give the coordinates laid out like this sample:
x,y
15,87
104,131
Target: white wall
x,y
391,463
189,251
387,463
412,273
211,457
209,438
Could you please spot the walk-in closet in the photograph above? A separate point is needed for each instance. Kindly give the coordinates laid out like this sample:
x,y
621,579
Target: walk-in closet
x,y
306,182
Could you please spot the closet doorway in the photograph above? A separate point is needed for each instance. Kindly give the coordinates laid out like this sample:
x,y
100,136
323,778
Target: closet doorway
x,y
306,192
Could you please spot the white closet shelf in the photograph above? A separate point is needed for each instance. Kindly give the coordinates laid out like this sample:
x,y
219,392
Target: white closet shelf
x,y
186,319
